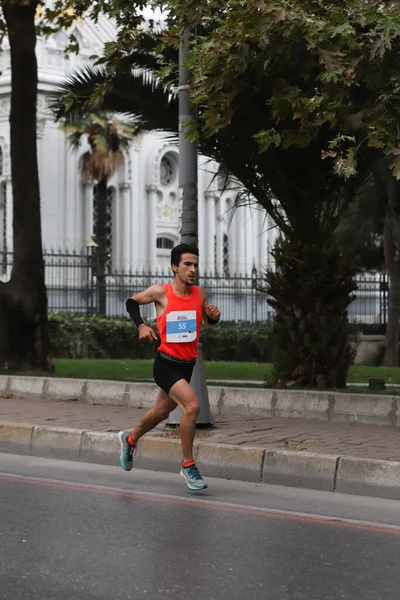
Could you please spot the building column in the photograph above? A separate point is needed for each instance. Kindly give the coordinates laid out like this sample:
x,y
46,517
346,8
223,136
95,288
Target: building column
x,y
219,266
201,217
240,240
61,182
210,232
71,210
249,240
87,210
137,218
9,219
151,262
255,235
124,226
41,147
263,256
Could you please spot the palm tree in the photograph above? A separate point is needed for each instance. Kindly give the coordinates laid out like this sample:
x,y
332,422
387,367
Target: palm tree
x,y
311,198
107,138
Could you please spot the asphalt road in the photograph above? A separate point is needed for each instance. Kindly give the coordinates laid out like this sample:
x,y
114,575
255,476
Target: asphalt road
x,y
72,531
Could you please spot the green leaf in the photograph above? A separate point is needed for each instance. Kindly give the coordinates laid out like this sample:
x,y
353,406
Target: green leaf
x,y
344,30
267,138
395,167
378,48
376,142
331,59
339,140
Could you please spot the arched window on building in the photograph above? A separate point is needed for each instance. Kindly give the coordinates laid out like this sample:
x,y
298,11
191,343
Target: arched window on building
x,y
109,221
165,243
225,255
164,247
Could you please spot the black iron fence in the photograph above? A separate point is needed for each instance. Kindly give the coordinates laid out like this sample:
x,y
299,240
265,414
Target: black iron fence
x,y
72,286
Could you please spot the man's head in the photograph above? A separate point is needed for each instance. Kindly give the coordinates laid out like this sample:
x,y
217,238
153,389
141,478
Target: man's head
x,y
185,262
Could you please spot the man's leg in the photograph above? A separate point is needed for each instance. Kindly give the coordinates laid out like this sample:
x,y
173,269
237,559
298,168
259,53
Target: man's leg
x,y
184,395
156,415
163,406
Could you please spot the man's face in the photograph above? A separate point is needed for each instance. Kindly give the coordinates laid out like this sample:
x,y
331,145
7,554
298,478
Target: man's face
x,y
186,272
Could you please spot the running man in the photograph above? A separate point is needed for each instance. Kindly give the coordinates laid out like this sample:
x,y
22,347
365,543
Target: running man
x,y
181,308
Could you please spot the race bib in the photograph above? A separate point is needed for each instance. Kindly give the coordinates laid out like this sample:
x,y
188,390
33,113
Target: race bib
x,y
181,326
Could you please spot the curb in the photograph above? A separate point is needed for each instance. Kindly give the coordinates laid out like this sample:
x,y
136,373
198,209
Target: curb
x,y
344,474
366,409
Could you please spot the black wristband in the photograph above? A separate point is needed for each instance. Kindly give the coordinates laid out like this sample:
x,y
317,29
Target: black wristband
x,y
133,309
211,321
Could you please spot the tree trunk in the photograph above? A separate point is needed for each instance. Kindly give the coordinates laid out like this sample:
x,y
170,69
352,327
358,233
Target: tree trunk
x,y
391,358
391,248
310,290
391,243
101,240
23,300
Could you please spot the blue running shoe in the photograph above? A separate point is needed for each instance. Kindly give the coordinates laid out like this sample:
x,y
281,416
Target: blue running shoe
x,y
127,451
193,478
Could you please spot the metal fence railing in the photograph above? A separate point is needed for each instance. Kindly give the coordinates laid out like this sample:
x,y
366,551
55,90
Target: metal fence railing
x,y
72,287
371,303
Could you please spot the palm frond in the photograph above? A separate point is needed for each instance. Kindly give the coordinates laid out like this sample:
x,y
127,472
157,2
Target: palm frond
x,y
138,93
74,137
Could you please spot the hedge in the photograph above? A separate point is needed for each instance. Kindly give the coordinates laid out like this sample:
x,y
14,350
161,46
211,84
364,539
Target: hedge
x,y
83,336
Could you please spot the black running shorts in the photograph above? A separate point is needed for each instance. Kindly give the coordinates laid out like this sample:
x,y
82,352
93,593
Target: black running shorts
x,y
167,372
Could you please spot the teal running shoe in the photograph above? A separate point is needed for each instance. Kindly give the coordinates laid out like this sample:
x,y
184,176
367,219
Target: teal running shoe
x,y
127,451
193,478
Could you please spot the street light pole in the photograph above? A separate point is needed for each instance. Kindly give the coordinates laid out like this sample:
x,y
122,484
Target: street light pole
x,y
187,151
189,228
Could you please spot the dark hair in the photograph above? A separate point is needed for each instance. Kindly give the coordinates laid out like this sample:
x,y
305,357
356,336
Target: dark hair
x,y
176,253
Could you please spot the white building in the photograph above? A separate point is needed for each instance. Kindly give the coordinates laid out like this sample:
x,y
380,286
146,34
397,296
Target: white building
x,y
144,206
144,209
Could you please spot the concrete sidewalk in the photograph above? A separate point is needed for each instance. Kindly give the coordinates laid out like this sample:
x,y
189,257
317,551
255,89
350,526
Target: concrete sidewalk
x,y
333,456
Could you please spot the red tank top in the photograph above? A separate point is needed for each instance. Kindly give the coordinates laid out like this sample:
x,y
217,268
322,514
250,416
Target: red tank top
x,y
179,326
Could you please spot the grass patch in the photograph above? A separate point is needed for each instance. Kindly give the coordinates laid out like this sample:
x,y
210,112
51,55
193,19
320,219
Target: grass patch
x,y
136,370
361,374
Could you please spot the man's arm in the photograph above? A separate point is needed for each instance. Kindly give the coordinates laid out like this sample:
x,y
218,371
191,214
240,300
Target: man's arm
x,y
211,313
154,293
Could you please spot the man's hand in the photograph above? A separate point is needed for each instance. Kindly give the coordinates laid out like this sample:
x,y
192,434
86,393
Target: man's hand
x,y
213,312
147,333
